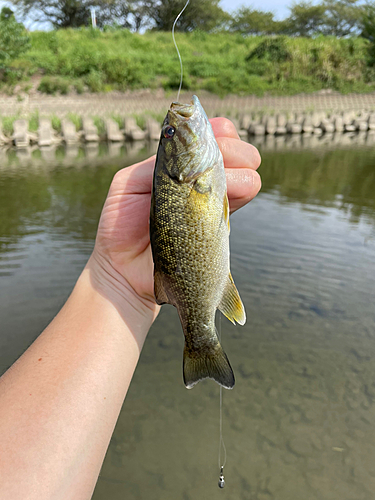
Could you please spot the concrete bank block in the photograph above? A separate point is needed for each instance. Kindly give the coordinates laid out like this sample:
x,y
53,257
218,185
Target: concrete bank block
x,y
317,118
361,125
327,126
371,121
318,131
257,129
45,133
245,121
132,131
299,118
339,124
69,132
271,125
112,130
281,120
307,127
90,132
20,135
348,117
294,128
349,127
153,129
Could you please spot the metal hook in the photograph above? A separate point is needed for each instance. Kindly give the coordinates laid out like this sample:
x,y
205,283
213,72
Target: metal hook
x,y
221,478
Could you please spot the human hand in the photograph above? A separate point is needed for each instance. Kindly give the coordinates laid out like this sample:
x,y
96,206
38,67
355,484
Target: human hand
x,y
122,250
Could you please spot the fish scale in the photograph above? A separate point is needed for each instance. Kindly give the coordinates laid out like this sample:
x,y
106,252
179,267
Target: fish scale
x,y
189,232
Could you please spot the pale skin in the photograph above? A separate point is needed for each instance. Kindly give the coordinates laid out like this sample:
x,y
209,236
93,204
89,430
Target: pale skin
x,y
60,401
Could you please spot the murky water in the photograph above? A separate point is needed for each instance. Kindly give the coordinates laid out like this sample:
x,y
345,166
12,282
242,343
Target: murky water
x,y
300,423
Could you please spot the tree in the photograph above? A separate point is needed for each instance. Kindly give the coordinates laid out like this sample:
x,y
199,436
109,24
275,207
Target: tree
x,y
305,19
65,13
131,14
13,38
254,22
342,17
368,30
205,15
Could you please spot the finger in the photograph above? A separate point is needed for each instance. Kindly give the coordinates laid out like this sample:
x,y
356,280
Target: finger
x,y
223,127
242,186
136,179
238,154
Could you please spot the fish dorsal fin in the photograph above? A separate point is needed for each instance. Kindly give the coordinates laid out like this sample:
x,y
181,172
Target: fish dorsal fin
x,y
159,292
226,212
231,304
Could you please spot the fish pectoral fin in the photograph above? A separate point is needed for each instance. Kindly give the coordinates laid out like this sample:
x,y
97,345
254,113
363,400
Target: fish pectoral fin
x,y
231,304
159,292
210,362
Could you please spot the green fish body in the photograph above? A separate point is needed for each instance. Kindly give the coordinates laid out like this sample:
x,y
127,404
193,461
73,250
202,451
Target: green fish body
x,y
189,232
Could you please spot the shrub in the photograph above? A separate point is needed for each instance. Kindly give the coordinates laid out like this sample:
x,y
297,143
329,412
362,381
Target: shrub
x,y
53,84
94,81
79,86
271,49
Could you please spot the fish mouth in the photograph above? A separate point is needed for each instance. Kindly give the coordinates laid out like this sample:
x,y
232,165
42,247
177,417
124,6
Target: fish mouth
x,y
184,110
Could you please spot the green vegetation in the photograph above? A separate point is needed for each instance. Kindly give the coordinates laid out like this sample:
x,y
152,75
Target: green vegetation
x,y
134,14
13,42
221,63
330,45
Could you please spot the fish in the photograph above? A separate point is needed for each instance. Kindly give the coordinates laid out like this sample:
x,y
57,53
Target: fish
x,y
189,233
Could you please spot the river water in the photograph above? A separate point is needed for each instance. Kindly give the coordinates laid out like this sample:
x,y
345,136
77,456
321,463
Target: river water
x,y
300,422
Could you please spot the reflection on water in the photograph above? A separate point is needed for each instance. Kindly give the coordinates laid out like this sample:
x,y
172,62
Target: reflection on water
x,y
300,422
66,154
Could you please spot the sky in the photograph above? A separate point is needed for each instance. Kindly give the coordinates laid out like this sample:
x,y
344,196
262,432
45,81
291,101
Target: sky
x,y
278,7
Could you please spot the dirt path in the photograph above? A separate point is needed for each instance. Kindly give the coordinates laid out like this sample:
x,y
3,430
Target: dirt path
x,y
143,101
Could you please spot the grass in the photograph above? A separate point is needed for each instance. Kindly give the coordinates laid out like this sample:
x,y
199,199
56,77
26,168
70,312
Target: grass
x,y
7,124
99,124
56,123
221,63
76,119
34,122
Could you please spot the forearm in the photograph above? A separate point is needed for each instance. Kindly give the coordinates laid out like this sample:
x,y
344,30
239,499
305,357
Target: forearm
x,y
61,399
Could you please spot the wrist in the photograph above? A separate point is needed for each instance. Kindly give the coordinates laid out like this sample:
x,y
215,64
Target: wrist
x,y
137,312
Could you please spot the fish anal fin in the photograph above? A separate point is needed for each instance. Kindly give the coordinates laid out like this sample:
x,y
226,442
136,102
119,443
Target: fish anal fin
x,y
207,363
159,292
231,304
226,211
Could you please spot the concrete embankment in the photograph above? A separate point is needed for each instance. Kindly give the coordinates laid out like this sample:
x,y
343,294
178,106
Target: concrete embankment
x,y
315,115
140,102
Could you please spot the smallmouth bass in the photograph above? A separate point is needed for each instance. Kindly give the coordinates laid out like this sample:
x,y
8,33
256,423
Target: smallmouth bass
x,y
189,232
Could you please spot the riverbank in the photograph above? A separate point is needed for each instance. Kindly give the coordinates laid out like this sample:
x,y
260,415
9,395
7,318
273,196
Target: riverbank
x,y
157,102
115,116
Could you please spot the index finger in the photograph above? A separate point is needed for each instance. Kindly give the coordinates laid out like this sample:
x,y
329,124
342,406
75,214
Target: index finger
x,y
222,127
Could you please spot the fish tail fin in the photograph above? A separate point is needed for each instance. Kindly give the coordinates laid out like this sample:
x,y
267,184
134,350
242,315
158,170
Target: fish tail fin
x,y
207,362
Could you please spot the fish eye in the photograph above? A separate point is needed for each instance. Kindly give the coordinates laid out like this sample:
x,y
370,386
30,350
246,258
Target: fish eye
x,y
169,132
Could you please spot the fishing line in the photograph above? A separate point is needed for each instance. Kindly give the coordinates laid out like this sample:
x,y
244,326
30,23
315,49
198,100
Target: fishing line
x,y
221,440
175,44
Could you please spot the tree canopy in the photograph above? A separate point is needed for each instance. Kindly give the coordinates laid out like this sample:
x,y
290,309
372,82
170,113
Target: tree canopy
x,y
331,17
65,13
13,37
254,22
306,19
133,14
